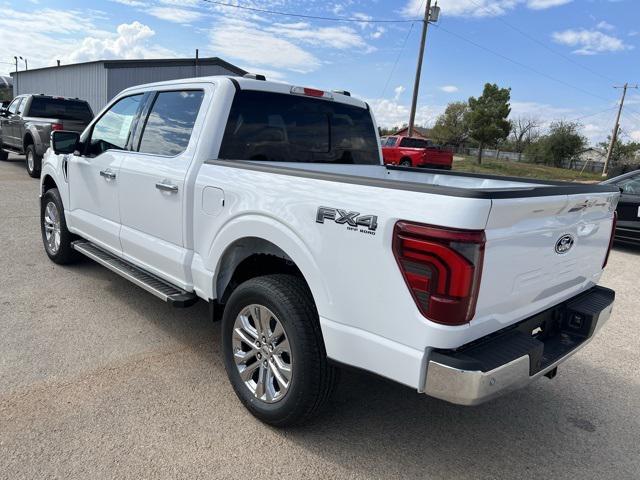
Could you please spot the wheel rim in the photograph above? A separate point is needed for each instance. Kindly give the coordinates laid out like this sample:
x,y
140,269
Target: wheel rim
x,y
52,227
30,162
262,353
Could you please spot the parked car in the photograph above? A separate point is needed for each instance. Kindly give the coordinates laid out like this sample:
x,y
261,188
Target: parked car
x,y
415,152
26,125
628,223
271,203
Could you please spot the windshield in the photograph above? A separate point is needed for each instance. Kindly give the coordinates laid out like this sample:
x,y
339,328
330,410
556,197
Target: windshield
x,y
60,108
289,128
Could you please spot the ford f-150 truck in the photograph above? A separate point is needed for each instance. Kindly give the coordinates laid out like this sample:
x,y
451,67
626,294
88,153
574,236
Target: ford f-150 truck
x,y
271,202
26,125
415,152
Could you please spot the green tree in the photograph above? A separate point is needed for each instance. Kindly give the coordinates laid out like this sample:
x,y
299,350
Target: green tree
x,y
622,153
488,114
452,127
562,142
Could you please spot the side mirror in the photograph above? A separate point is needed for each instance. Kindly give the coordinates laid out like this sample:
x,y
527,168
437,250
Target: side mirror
x,y
63,142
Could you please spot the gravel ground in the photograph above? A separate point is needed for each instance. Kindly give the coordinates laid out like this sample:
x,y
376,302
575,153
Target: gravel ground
x,y
99,379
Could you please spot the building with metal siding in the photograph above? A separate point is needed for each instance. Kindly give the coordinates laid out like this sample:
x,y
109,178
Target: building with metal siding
x,y
98,82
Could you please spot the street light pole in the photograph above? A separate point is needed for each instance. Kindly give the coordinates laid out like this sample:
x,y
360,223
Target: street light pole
x,y
16,89
416,84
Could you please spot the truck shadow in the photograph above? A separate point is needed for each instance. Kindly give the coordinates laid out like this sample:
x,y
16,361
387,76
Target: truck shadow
x,y
386,430
583,424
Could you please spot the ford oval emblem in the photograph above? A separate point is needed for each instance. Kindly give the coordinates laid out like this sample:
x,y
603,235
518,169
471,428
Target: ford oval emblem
x,y
564,244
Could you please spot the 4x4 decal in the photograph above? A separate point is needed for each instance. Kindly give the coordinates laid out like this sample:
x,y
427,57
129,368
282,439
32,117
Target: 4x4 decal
x,y
353,220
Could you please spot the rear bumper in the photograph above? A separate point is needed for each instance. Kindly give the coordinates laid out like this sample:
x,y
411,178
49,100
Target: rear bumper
x,y
511,358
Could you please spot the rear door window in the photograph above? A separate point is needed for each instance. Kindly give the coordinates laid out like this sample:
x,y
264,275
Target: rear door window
x,y
280,127
60,108
169,125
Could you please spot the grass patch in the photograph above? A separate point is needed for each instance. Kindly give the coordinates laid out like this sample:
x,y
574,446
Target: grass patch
x,y
492,166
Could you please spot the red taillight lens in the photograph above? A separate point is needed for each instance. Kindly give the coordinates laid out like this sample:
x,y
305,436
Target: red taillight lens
x,y
613,234
442,268
56,126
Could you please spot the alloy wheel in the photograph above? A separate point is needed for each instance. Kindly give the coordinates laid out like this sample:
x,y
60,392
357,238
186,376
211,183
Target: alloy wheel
x,y
262,353
52,227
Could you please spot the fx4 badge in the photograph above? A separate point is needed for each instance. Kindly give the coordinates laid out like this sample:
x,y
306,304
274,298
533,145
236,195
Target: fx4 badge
x,y
353,220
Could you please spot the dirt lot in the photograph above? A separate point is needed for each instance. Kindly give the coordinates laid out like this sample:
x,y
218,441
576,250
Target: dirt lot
x,y
99,379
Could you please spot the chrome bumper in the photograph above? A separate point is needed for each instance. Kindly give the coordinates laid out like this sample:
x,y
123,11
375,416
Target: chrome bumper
x,y
472,387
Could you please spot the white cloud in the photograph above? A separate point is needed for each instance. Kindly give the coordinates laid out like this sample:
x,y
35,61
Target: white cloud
x,y
635,135
176,15
391,113
131,3
130,42
449,88
399,90
281,45
544,4
378,33
478,8
603,25
247,42
590,42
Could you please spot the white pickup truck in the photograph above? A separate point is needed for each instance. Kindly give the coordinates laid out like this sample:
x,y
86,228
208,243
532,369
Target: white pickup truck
x,y
271,203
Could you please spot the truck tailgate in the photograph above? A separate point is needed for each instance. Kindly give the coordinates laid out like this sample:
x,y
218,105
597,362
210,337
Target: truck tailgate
x,y
541,251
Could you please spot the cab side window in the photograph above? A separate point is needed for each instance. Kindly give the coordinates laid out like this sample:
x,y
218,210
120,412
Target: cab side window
x,y
168,128
13,107
112,130
631,186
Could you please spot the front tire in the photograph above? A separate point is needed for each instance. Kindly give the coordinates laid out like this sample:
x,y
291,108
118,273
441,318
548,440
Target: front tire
x,y
273,350
33,160
55,235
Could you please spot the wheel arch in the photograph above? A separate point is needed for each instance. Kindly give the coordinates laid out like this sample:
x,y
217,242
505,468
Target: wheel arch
x,y
48,183
273,246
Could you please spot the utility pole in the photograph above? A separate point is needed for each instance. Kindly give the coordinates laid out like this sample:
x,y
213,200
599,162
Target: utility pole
x,y
17,89
416,86
616,127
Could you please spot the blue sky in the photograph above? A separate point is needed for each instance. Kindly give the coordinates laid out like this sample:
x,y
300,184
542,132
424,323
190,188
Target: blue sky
x,y
560,57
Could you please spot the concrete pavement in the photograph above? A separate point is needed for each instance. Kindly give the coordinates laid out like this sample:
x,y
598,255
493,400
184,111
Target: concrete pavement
x,y
99,379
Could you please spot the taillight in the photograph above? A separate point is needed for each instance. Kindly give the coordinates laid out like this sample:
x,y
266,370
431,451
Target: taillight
x,y
442,268
311,92
613,234
56,126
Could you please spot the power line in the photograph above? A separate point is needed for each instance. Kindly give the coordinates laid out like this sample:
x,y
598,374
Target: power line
x,y
544,45
520,64
592,114
310,17
395,64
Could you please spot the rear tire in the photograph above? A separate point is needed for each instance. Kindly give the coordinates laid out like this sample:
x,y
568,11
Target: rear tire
x,y
278,368
55,235
405,162
4,156
33,160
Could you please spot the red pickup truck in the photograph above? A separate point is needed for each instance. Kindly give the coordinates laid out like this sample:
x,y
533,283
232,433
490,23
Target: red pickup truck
x,y
415,152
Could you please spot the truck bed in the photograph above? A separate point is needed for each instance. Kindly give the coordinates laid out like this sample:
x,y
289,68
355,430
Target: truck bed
x,y
457,184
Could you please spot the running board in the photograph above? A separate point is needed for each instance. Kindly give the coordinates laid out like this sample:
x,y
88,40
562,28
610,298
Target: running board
x,y
152,284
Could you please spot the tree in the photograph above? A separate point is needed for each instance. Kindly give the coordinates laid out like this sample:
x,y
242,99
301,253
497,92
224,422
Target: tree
x,y
562,142
623,155
524,130
452,127
488,114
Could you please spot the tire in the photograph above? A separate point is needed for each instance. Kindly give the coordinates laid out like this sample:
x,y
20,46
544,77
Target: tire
x,y
52,223
33,161
4,155
287,302
405,162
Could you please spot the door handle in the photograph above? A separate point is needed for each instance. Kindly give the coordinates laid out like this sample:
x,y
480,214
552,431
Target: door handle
x,y
108,174
167,187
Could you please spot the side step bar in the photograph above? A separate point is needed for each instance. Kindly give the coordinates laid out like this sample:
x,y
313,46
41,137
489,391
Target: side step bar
x,y
152,284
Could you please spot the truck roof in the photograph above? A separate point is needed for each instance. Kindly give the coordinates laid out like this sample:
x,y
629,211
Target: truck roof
x,y
250,84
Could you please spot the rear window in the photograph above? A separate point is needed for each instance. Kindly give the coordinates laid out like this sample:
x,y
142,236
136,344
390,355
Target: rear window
x,y
60,108
289,128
